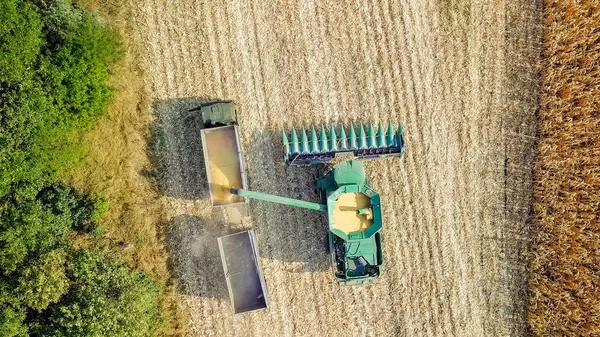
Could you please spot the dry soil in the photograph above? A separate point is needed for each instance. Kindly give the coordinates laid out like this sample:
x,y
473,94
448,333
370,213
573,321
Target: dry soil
x,y
459,75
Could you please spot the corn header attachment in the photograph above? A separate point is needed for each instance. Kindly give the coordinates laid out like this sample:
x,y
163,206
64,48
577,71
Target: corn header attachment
x,y
300,149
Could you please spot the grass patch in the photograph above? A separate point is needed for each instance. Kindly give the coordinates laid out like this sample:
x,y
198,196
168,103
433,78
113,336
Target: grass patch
x,y
116,165
565,264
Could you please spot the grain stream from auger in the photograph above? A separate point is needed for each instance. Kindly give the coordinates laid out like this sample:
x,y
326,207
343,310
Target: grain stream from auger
x,y
459,75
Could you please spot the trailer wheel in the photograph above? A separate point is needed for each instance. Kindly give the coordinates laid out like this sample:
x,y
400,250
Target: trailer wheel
x,y
326,242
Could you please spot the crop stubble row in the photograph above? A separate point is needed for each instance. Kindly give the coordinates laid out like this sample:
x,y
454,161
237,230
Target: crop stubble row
x,y
439,68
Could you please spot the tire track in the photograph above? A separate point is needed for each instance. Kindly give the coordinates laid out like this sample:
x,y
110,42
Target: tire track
x,y
379,95
341,299
180,49
167,55
447,237
473,301
261,80
214,65
429,250
442,67
159,56
340,37
262,227
367,58
462,319
329,114
233,51
206,73
392,71
416,279
266,219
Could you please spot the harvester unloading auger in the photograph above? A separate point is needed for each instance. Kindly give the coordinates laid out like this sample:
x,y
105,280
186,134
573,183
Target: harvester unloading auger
x,y
352,206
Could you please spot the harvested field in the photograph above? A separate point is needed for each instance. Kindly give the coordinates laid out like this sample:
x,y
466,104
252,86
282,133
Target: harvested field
x,y
565,266
460,76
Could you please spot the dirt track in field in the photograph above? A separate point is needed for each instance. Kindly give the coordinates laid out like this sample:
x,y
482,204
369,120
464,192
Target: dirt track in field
x,y
459,76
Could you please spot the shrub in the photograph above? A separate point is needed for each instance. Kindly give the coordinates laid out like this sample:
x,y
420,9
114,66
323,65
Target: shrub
x,y
44,281
106,298
81,211
54,62
75,64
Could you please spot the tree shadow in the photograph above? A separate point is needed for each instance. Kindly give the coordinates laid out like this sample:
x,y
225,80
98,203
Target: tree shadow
x,y
286,233
175,148
194,257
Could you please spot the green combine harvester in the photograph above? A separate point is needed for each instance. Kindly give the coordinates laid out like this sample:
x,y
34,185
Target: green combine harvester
x,y
352,206
354,212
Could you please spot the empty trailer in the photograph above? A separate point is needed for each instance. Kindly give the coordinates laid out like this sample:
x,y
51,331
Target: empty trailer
x,y
243,273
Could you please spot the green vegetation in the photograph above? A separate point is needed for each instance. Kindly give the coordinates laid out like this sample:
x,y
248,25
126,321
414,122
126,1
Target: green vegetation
x,y
106,299
54,62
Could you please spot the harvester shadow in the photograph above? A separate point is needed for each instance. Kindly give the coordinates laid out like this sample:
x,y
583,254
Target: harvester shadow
x,y
194,257
175,148
289,234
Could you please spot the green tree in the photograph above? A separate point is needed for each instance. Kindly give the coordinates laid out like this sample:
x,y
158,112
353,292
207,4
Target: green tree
x,y
20,41
33,245
106,298
44,281
12,313
28,229
55,59
54,63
